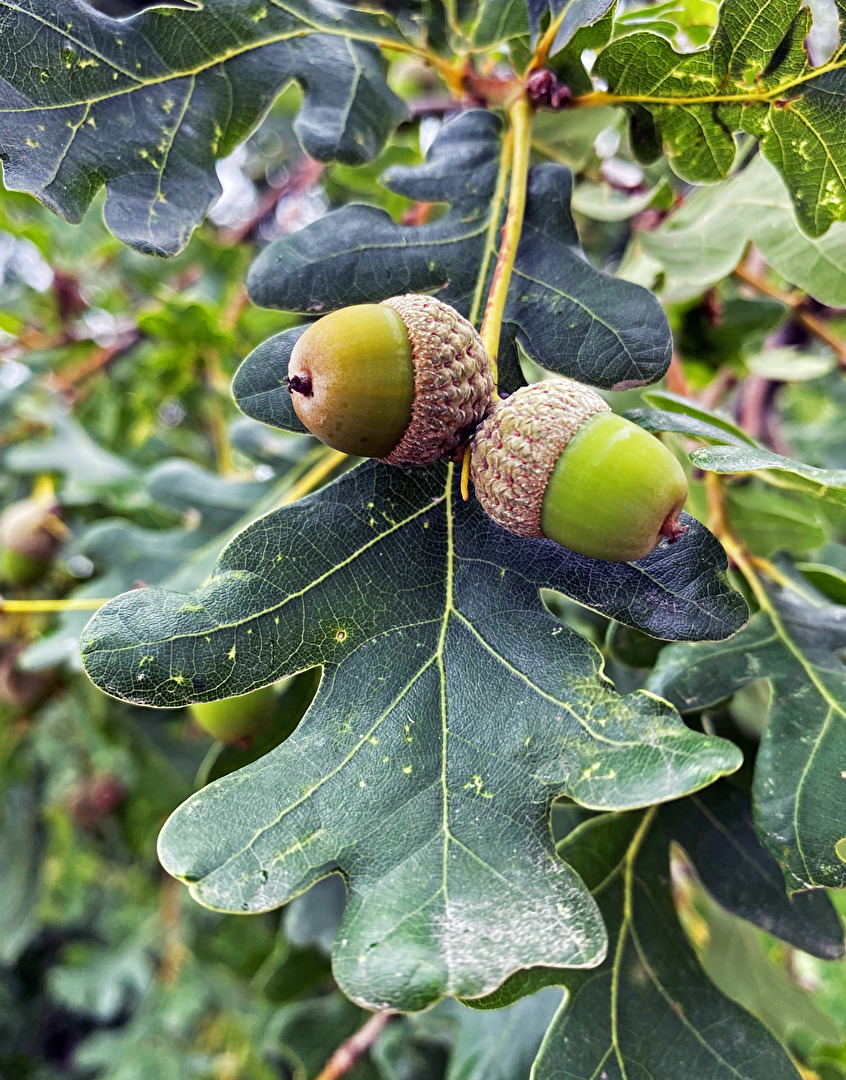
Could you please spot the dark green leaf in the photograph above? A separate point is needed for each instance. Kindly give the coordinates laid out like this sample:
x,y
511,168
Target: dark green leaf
x,y
715,829
691,424
798,646
453,709
567,316
650,995
686,406
145,105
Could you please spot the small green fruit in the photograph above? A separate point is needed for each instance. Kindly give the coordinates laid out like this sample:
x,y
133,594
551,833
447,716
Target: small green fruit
x,y
236,718
405,381
30,535
553,460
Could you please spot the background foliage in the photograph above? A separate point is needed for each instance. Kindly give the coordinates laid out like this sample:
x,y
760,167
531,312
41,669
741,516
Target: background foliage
x,y
512,752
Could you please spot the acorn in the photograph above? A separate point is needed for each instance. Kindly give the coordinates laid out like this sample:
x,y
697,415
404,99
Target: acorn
x,y
31,534
553,460
234,719
405,381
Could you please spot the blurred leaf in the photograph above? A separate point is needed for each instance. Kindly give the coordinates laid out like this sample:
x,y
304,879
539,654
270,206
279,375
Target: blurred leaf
x,y
21,853
106,984
124,555
685,23
790,365
830,581
145,105
704,240
602,202
501,1045
315,917
769,521
740,328
735,958
89,471
571,143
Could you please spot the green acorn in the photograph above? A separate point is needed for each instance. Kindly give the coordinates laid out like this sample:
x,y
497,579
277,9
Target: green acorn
x,y
31,534
232,719
405,381
553,460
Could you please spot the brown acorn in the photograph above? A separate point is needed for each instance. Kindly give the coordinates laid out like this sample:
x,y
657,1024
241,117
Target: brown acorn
x,y
553,460
405,381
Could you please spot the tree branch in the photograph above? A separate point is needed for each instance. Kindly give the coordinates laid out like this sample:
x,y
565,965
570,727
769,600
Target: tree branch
x,y
355,1047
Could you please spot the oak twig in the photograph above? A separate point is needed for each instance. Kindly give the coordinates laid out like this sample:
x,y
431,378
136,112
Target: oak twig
x,y
811,322
354,1047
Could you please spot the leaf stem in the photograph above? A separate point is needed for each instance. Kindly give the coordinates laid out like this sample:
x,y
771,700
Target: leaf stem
x,y
354,1047
520,118
314,477
497,201
745,97
39,607
547,41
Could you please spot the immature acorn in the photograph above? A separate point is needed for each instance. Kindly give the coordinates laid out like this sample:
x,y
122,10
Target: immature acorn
x,y
406,380
31,534
553,460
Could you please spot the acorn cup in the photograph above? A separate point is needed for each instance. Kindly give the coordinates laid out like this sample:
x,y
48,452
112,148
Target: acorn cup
x,y
405,381
552,460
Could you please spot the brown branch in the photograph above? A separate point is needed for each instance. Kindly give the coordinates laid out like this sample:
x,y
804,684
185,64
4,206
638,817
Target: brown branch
x,y
307,173
67,381
354,1047
811,322
676,379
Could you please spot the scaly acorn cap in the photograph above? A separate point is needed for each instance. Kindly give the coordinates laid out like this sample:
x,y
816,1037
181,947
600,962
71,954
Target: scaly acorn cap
x,y
515,449
405,381
453,382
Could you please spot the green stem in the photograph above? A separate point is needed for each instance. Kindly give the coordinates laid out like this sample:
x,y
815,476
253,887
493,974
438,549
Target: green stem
x,y
520,119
